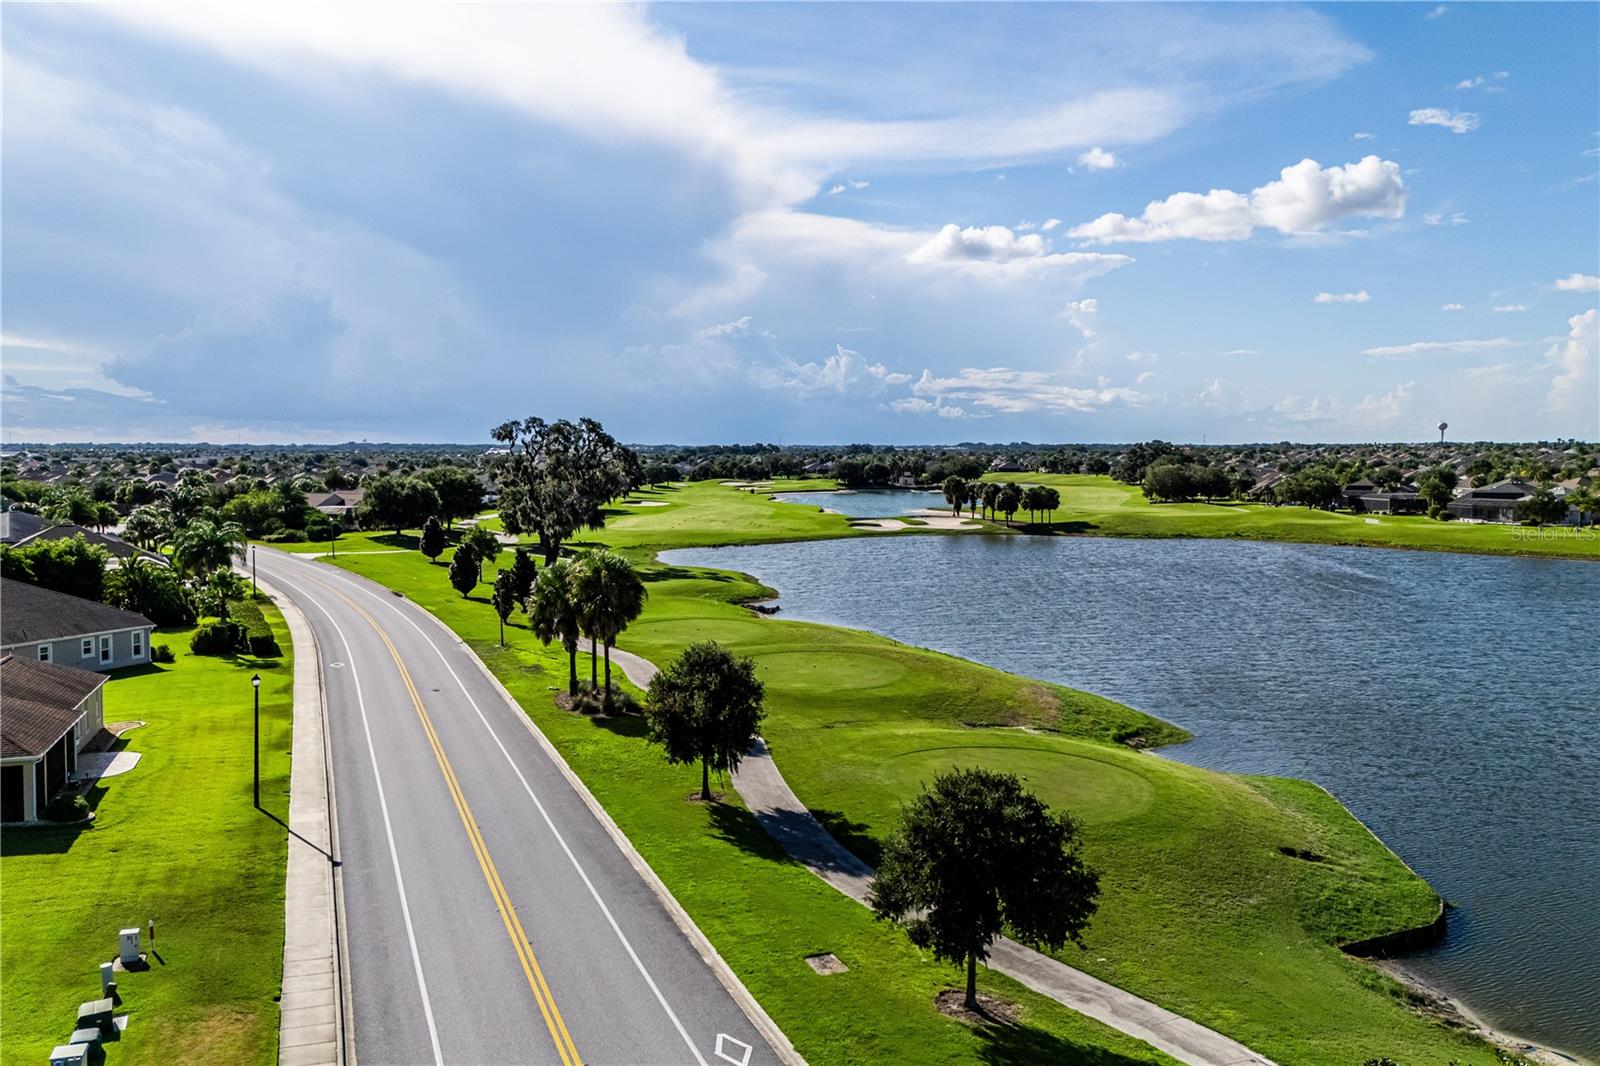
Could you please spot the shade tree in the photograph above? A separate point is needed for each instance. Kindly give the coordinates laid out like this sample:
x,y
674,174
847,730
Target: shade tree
x,y
975,854
706,706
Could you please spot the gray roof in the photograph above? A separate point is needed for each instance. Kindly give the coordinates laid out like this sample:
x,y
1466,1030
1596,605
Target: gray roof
x,y
39,703
18,526
29,614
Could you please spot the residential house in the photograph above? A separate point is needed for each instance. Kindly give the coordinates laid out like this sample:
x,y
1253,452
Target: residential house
x,y
48,714
18,528
340,505
1367,495
51,627
1492,503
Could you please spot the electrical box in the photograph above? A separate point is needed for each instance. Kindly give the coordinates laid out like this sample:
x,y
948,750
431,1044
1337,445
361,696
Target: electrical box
x,y
128,946
108,977
70,1055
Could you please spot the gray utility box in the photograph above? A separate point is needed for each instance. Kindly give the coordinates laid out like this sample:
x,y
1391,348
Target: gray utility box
x,y
70,1055
128,946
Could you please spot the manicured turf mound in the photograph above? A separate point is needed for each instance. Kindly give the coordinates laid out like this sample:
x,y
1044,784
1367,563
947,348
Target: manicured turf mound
x,y
1201,910
175,839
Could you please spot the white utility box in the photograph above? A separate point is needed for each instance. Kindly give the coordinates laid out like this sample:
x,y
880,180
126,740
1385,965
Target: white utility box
x,y
108,977
128,946
70,1055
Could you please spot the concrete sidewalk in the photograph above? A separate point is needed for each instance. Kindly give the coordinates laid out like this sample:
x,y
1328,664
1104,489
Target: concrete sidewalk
x,y
311,1023
792,825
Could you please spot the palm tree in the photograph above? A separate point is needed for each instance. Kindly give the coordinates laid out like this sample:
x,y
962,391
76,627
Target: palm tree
x,y
955,493
610,595
991,496
1586,500
147,526
1008,500
222,587
204,545
553,613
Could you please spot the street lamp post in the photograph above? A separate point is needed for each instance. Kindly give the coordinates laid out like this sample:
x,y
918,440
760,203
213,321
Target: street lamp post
x,y
255,684
252,571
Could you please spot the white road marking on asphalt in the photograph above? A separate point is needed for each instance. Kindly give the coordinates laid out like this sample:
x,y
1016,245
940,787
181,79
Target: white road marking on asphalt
x,y
388,828
743,1060
576,865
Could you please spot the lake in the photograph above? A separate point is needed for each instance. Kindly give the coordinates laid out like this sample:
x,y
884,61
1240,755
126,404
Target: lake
x,y
868,503
1451,701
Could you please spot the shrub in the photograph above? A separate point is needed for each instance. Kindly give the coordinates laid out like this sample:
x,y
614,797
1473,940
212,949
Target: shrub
x,y
219,638
157,592
258,634
591,700
161,653
287,536
66,809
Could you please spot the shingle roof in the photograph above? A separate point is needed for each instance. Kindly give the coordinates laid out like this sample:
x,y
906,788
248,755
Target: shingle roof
x,y
17,526
29,614
39,703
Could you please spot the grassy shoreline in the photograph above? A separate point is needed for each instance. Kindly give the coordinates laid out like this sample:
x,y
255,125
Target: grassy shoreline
x,y
1203,912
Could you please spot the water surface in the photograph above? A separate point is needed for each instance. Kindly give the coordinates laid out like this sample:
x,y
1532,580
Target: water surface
x,y
868,503
1449,700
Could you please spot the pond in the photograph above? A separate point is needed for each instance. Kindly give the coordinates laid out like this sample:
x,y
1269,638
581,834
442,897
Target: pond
x,y
1450,701
868,503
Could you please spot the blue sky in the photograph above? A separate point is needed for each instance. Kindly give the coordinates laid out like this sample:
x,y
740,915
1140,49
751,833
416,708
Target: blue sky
x,y
807,223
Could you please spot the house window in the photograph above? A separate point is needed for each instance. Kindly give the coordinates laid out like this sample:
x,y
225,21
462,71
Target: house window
x,y
44,653
105,649
87,652
138,645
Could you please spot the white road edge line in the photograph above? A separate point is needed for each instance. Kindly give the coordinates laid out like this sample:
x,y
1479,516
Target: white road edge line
x,y
576,865
388,828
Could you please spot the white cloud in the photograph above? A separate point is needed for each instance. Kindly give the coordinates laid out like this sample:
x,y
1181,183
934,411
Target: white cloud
x,y
1578,283
1083,315
1440,218
1098,158
1342,297
1002,390
1149,358
1429,347
1573,387
847,185
1454,121
1452,307
1484,81
1241,351
1306,198
739,327
990,244
1363,135
1437,12
1505,309
1383,410
1049,224
843,371
918,405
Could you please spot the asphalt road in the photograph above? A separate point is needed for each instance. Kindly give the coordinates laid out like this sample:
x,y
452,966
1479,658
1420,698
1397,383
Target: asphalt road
x,y
490,917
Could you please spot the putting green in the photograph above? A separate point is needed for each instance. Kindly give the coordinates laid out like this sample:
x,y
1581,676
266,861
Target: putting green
x,y
812,671
1093,791
689,630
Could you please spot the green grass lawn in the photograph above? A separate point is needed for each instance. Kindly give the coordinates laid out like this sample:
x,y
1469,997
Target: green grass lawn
x,y
1201,912
1099,505
175,839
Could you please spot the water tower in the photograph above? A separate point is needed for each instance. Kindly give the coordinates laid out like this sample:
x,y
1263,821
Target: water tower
x,y
1442,427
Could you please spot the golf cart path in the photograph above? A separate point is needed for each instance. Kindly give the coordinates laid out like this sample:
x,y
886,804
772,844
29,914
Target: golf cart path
x,y
787,821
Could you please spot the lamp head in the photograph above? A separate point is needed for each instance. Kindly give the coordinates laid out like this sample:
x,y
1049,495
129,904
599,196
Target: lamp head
x,y
256,680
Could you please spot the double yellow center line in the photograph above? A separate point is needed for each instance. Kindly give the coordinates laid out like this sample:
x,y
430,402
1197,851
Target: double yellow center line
x,y
497,888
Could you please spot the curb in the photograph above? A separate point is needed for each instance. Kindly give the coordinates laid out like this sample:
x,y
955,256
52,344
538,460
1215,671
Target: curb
x,y
313,1028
